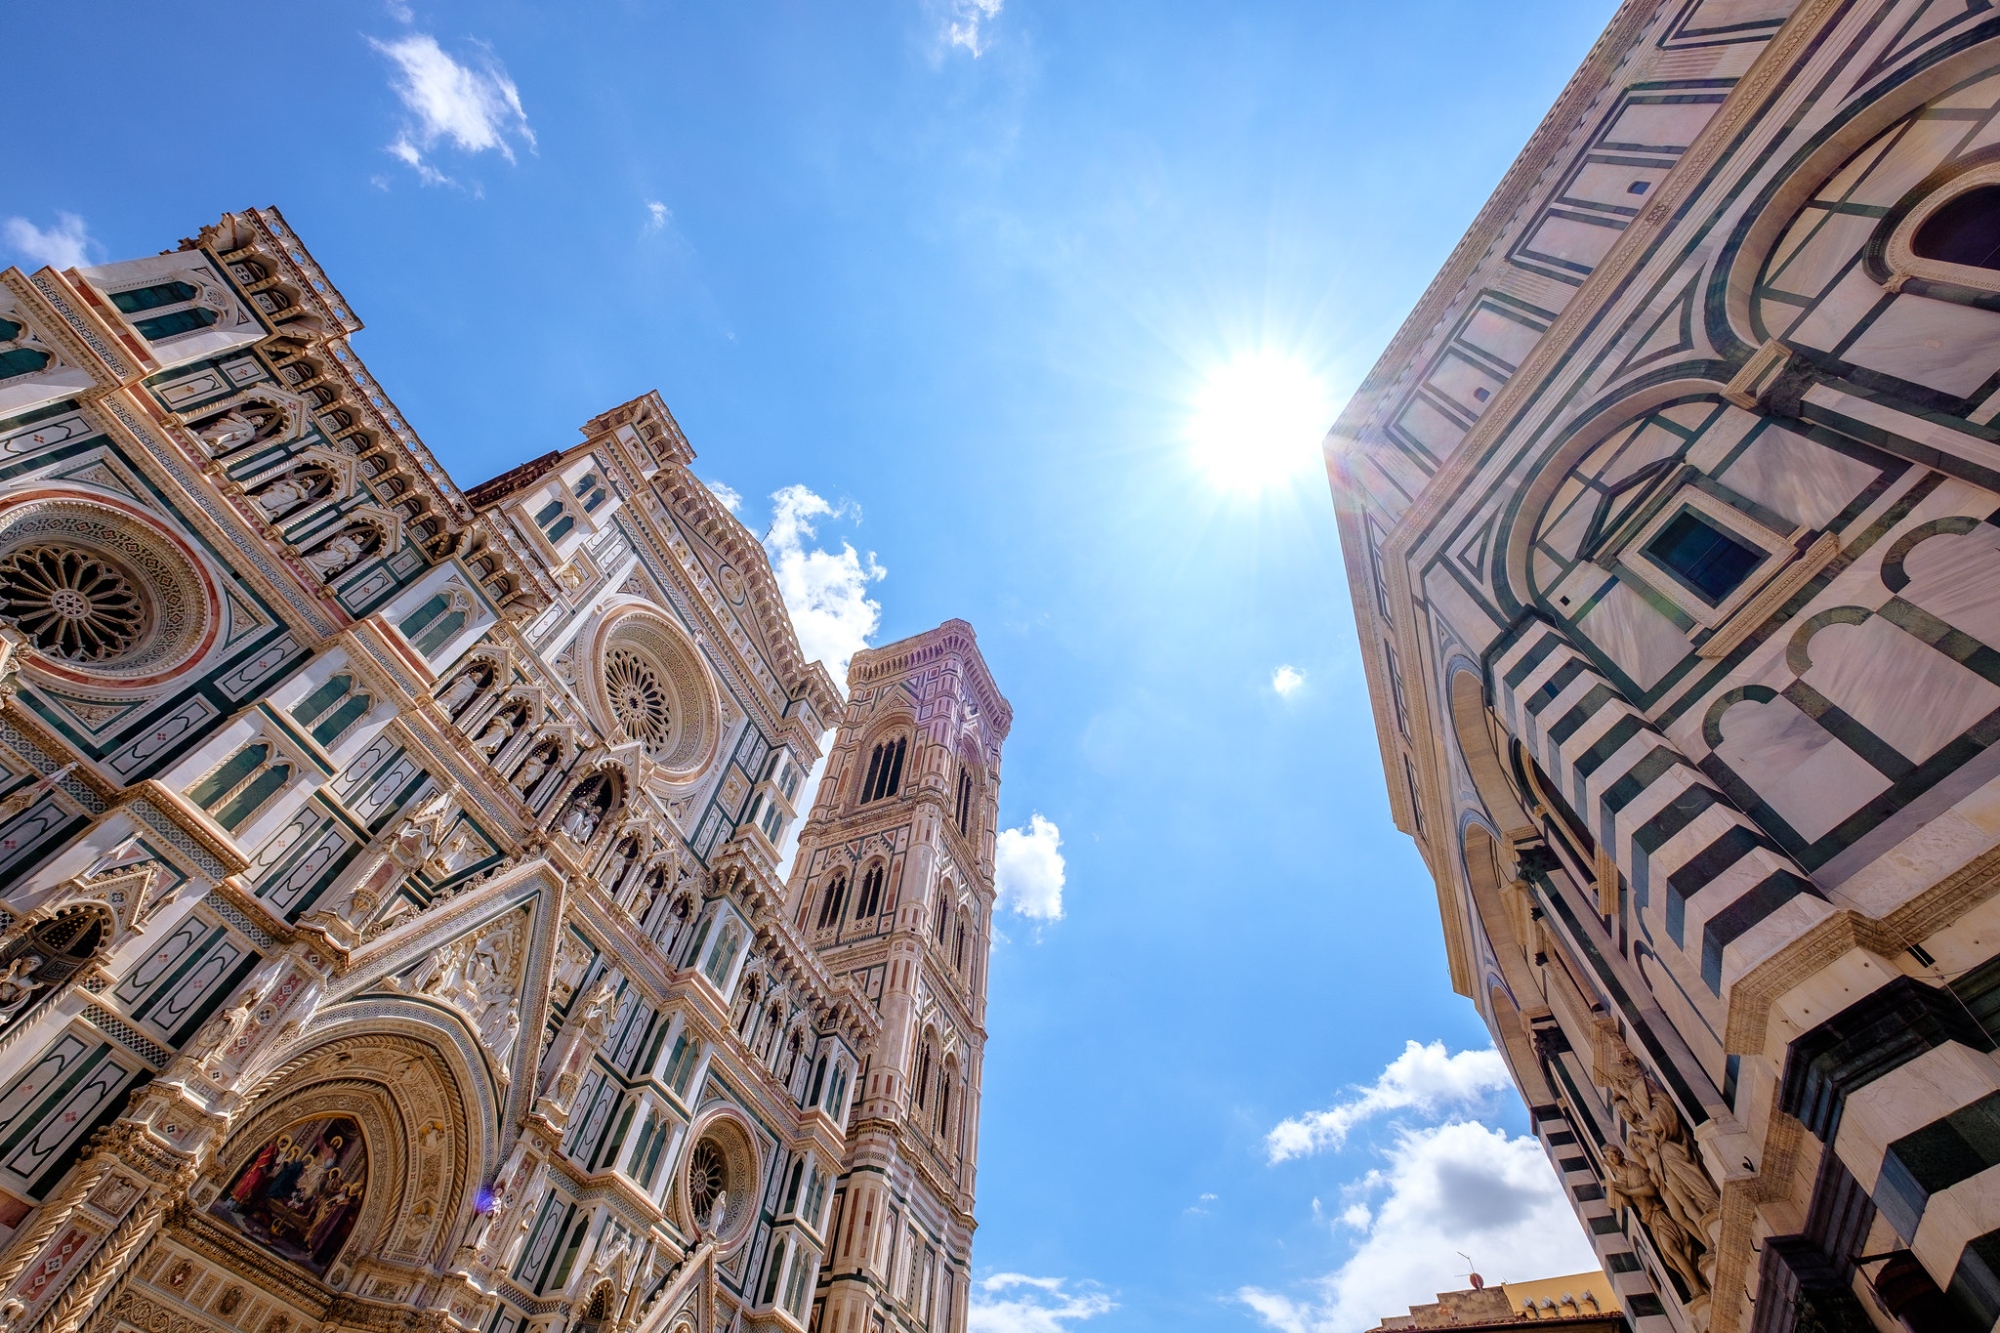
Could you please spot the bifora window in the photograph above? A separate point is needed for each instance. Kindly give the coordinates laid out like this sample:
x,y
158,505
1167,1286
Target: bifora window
x,y
885,770
1964,231
1707,559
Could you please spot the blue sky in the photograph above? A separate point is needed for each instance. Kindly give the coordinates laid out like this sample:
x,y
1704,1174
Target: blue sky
x,y
968,272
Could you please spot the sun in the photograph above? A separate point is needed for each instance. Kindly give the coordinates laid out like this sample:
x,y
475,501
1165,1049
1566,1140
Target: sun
x,y
1257,422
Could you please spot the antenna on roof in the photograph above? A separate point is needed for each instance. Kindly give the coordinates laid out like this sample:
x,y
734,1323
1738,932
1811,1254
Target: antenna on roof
x,y
1478,1282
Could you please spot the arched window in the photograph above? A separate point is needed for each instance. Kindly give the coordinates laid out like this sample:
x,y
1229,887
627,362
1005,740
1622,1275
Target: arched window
x,y
943,915
174,323
829,907
964,800
590,492
868,903
958,946
945,1082
240,785
1964,231
334,706
554,521
885,770
18,361
432,625
153,297
680,1065
920,1083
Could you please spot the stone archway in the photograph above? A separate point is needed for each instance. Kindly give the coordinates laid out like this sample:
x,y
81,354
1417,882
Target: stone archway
x,y
347,1176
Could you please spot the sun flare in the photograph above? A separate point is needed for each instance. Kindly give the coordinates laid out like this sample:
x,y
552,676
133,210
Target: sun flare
x,y
1257,422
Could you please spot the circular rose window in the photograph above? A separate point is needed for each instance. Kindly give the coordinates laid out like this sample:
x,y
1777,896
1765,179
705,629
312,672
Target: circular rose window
x,y
74,604
651,687
95,591
718,1180
638,695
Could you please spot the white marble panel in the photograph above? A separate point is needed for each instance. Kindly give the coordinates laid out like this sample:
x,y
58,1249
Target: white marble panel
x,y
1829,248
1834,318
1502,338
1644,643
1906,1099
1801,771
1956,577
1907,693
1806,482
1660,124
1581,243
1952,1217
1940,344
1917,152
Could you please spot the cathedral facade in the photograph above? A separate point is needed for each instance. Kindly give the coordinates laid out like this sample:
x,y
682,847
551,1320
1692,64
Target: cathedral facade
x,y
392,925
1671,523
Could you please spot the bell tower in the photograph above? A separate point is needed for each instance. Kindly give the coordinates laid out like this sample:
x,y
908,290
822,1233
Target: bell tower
x,y
893,888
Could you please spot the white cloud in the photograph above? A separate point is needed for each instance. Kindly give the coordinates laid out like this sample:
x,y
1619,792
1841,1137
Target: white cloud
x,y
476,109
964,23
1458,1186
658,215
399,11
732,500
826,591
1422,1078
61,246
1287,679
1016,1303
1028,871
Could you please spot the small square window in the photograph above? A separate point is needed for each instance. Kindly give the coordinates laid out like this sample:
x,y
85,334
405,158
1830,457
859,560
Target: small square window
x,y
1708,559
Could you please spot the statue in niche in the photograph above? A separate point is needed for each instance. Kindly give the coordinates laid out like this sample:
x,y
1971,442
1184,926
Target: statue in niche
x,y
292,490
587,807
340,551
299,1194
460,693
18,986
499,729
227,431
531,771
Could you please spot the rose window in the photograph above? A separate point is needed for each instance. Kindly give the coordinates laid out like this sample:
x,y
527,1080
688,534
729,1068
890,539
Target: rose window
x,y
638,698
708,1171
72,604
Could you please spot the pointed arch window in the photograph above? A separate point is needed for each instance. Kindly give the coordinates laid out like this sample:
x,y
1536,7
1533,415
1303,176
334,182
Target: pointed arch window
x,y
241,784
153,297
590,492
18,361
958,946
333,708
868,903
920,1085
943,916
829,907
432,625
885,770
964,810
554,521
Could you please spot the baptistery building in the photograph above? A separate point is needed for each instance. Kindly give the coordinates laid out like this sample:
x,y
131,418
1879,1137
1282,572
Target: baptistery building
x,y
394,928
1671,522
